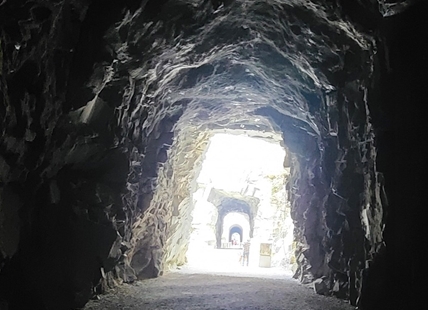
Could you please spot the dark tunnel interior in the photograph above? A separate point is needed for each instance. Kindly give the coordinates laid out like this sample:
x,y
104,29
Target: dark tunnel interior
x,y
107,107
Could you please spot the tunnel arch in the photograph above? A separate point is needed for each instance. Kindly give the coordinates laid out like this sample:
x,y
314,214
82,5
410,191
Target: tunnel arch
x,y
236,229
229,205
95,157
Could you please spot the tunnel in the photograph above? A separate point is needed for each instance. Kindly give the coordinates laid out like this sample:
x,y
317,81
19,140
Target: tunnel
x,y
227,206
107,109
236,229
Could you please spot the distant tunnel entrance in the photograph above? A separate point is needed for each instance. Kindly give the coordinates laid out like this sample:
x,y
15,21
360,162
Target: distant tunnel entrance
x,y
234,211
235,230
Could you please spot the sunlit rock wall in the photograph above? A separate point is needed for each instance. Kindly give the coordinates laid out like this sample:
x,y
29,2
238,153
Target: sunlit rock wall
x,y
282,225
204,221
186,163
169,213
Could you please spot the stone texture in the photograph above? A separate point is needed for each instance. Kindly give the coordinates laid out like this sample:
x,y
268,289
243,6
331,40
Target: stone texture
x,y
161,235
90,96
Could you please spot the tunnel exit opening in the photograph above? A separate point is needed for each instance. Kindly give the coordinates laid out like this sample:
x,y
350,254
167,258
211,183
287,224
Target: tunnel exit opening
x,y
240,197
235,229
235,235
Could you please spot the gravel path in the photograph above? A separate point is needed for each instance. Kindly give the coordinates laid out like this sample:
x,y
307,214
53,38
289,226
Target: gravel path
x,y
184,290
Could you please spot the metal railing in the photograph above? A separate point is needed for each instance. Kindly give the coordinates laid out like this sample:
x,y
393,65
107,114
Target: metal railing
x,y
230,245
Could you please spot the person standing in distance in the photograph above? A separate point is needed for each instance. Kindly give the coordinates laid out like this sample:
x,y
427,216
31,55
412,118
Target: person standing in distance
x,y
246,252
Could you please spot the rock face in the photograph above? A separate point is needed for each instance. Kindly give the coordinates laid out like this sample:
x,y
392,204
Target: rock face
x,y
165,224
95,93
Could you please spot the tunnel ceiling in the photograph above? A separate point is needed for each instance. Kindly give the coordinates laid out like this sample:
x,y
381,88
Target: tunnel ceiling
x,y
220,197
97,95
268,136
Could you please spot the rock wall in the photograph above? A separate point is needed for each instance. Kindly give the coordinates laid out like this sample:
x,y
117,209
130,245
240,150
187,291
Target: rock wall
x,y
338,197
282,225
187,170
161,234
75,142
90,93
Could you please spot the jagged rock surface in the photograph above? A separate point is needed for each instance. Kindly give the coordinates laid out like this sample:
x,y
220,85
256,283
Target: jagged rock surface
x,y
166,223
91,92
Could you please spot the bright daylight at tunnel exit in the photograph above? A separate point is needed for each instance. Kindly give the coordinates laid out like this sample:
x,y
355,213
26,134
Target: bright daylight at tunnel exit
x,y
240,198
212,154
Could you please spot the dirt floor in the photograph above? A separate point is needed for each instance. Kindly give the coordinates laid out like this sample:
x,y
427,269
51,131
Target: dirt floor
x,y
187,290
